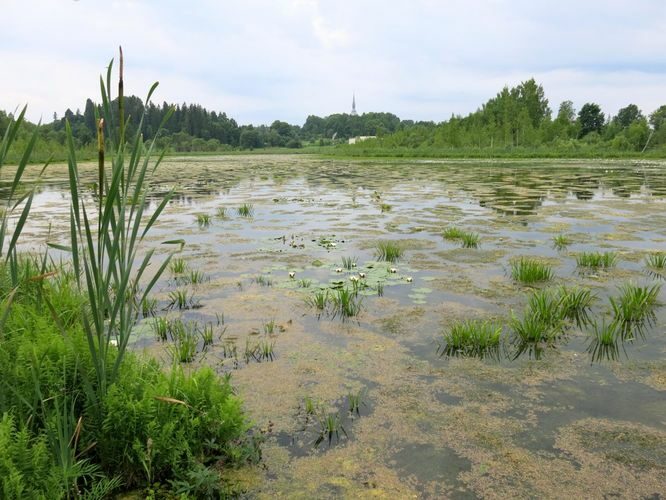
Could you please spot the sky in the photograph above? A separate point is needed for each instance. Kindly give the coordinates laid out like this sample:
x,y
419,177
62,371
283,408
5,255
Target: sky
x,y
265,60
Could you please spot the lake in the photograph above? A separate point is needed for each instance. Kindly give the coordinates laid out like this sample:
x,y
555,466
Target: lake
x,y
340,357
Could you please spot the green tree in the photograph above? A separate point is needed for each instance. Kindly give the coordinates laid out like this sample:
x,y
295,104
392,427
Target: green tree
x,y
658,118
590,119
628,115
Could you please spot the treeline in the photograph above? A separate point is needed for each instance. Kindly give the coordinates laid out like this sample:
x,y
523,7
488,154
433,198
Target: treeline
x,y
193,128
517,120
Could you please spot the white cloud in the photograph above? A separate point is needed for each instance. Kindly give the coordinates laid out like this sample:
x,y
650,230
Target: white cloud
x,y
261,60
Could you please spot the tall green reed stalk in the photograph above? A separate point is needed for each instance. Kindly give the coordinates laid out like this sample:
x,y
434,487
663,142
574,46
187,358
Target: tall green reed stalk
x,y
17,201
106,258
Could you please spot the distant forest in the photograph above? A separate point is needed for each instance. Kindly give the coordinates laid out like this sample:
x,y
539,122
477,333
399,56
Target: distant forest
x,y
517,119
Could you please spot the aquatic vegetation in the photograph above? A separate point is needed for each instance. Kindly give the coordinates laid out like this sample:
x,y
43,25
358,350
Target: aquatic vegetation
x,y
270,327
304,283
596,260
470,338
161,327
453,233
605,341
182,299
178,266
656,260
346,303
349,263
470,240
195,277
575,304
203,220
355,400
635,303
545,306
331,426
561,241
318,300
263,280
532,328
148,306
221,212
207,335
527,270
385,207
246,210
380,289
310,406
265,350
389,251
184,347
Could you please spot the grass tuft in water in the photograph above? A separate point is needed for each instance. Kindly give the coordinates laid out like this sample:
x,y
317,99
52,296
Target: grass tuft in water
x,y
575,304
182,299
470,240
346,303
349,263
207,335
270,327
531,328
330,426
263,280
148,306
470,338
304,283
605,340
178,266
545,306
385,207
528,271
635,303
161,327
656,260
389,251
355,400
453,233
185,340
203,220
221,212
318,300
596,260
561,241
246,210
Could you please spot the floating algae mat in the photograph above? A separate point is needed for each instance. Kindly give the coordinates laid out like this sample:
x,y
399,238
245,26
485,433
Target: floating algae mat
x,y
429,365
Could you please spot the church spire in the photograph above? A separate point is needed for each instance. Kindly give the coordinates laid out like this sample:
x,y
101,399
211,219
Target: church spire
x,y
353,111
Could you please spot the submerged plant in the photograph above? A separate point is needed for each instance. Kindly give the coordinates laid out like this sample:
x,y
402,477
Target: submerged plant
x,y
561,241
529,271
596,260
389,251
471,337
246,210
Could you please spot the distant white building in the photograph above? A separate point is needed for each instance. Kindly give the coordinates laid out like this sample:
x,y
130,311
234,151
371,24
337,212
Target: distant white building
x,y
359,138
